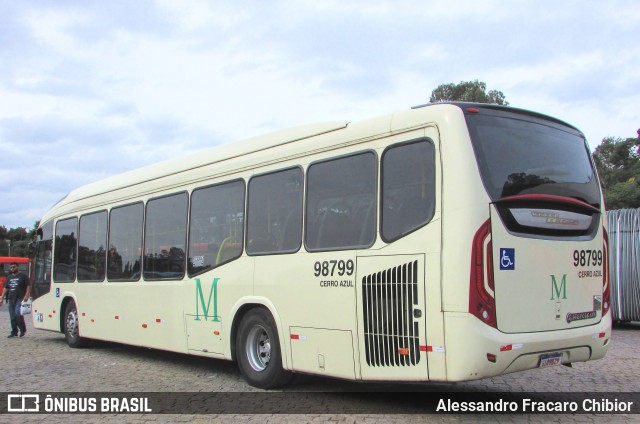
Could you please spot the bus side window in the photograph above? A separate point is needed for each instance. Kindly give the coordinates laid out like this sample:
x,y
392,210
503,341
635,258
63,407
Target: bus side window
x,y
408,188
92,242
274,213
165,237
341,198
65,255
216,231
124,258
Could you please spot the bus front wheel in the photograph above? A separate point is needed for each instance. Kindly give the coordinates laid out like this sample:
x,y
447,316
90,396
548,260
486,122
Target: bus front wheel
x,y
71,326
258,351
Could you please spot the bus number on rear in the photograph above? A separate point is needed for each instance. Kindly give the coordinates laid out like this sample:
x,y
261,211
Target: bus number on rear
x,y
587,258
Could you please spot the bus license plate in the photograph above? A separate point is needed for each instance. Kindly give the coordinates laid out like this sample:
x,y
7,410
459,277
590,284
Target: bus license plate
x,y
550,359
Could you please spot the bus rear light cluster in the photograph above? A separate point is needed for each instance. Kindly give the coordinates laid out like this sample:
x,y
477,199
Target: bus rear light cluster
x,y
482,303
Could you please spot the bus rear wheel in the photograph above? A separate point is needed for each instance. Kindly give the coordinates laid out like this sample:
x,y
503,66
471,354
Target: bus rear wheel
x,y
258,351
71,327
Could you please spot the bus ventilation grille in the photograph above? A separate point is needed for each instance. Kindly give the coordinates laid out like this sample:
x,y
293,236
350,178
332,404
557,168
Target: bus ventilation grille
x,y
390,332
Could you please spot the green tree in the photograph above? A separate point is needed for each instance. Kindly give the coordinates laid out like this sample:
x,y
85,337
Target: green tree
x,y
15,241
618,164
467,91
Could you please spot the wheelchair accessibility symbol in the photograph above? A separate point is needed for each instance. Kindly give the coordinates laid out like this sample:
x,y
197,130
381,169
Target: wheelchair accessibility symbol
x,y
507,258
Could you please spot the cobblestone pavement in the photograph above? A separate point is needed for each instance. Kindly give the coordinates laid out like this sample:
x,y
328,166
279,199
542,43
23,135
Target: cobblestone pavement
x,y
42,362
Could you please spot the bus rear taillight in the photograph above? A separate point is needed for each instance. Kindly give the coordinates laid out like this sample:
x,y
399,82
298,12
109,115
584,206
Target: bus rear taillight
x,y
606,287
482,302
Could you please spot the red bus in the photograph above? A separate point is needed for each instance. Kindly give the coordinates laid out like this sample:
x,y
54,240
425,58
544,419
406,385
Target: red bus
x,y
24,265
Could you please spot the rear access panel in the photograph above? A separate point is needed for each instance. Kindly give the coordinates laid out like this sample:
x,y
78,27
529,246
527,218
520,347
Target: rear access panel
x,y
391,324
546,283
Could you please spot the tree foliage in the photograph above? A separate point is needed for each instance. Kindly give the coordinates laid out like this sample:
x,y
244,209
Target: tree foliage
x,y
467,91
618,164
15,241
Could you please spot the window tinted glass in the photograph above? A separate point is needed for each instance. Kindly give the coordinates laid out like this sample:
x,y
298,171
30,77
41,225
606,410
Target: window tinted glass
x,y
341,203
46,231
274,215
217,226
42,267
518,154
408,188
65,251
92,253
165,237
125,243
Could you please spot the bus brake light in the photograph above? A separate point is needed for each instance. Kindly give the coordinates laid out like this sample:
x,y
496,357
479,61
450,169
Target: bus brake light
x,y
482,304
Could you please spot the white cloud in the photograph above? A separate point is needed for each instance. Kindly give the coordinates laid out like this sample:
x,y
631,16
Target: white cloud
x,y
50,27
198,14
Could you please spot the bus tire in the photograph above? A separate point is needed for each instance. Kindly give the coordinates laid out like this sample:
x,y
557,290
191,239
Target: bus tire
x,y
258,351
72,327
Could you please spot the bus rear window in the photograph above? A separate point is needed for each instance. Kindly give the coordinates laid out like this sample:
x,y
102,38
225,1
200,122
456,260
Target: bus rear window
x,y
523,154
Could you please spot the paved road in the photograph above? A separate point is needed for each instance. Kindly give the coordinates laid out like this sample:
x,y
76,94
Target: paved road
x,y
48,365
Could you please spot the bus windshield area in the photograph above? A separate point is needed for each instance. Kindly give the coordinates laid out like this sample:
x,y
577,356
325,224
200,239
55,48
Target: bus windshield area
x,y
522,154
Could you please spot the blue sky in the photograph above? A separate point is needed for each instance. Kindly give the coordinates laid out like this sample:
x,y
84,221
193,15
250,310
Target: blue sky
x,y
90,89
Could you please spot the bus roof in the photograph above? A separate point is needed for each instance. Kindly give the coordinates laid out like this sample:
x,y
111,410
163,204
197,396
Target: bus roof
x,y
465,105
198,159
398,121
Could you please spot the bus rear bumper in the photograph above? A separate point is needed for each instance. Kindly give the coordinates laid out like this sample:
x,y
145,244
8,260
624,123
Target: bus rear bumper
x,y
487,352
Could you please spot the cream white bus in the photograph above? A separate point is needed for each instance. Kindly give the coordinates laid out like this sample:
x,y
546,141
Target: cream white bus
x,y
447,242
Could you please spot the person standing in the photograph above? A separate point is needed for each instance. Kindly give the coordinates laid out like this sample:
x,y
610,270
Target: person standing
x,y
16,289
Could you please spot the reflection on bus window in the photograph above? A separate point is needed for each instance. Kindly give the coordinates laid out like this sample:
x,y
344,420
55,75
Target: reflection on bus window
x,y
92,247
165,237
217,226
274,214
41,283
125,243
408,188
66,251
341,203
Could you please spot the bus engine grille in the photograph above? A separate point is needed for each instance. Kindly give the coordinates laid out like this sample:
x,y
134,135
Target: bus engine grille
x,y
390,332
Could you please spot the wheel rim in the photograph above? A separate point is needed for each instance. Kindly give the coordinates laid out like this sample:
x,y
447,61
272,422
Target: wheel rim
x,y
72,324
258,348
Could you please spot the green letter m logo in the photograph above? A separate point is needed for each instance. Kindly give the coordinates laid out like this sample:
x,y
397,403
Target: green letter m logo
x,y
205,306
557,291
